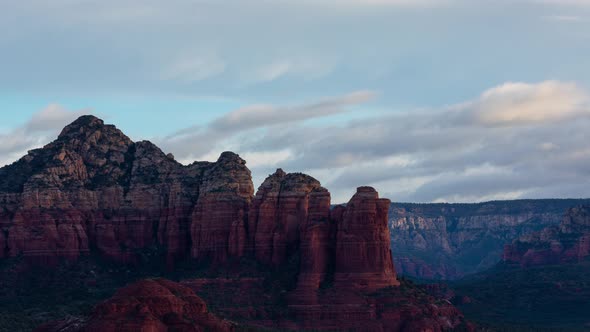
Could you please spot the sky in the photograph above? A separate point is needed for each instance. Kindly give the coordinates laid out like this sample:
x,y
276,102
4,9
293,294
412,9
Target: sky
x,y
426,100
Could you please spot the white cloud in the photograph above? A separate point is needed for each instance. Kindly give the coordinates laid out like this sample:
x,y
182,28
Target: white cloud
x,y
397,3
523,103
514,140
267,159
562,18
194,68
273,71
146,48
229,130
51,118
306,68
548,146
478,198
42,127
564,2
265,115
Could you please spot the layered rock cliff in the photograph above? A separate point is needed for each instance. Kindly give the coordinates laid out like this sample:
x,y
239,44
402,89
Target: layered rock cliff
x,y
284,206
569,242
363,224
447,241
94,192
95,189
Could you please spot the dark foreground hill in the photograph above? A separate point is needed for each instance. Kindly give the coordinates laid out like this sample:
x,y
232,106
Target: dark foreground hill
x,y
540,298
542,284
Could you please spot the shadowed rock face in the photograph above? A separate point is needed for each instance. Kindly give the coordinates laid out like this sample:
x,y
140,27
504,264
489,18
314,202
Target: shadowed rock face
x,y
569,242
148,305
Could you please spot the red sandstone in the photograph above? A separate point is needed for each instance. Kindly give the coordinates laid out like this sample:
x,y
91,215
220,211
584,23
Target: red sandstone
x,y
148,305
93,189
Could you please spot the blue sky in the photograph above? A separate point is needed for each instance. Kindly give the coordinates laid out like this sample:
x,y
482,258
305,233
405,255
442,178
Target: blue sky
x,y
330,87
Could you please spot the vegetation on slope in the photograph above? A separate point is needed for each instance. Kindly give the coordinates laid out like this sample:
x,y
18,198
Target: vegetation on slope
x,y
510,298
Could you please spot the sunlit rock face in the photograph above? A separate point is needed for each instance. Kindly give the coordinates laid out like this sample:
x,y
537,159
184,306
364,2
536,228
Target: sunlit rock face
x,y
95,189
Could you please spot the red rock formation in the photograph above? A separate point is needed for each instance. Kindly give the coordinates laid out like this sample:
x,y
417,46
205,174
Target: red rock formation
x,y
280,213
93,188
363,254
403,308
148,305
351,256
219,219
316,248
569,242
43,235
350,248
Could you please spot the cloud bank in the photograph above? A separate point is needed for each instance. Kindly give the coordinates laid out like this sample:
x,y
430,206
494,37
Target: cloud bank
x,y
513,140
412,51
39,130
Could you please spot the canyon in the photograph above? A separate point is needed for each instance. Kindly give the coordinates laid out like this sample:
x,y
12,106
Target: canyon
x,y
568,242
448,241
541,282
94,195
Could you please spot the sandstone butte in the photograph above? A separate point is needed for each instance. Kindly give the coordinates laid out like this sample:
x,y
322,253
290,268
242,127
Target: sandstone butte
x,y
569,242
93,190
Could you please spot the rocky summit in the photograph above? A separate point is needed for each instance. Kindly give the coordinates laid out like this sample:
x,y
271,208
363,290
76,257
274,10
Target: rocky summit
x,y
95,189
95,193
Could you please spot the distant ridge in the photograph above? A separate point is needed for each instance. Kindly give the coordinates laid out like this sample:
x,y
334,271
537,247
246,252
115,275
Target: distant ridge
x,y
450,240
